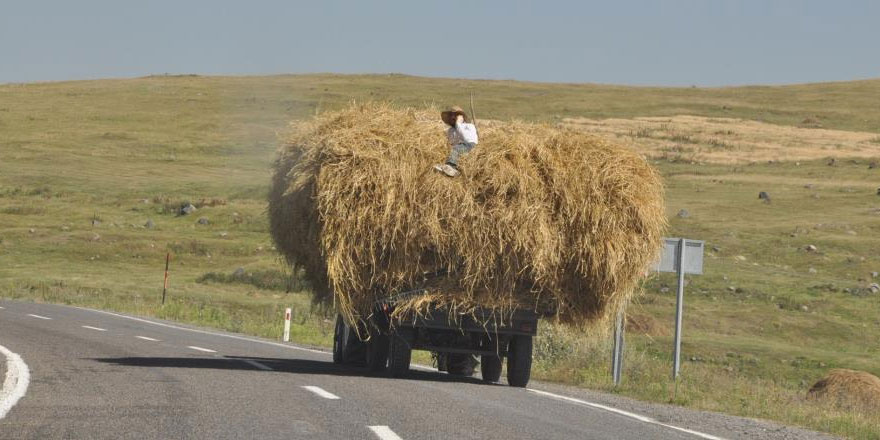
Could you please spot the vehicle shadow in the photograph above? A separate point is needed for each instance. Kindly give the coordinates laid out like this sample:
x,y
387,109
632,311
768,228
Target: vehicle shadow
x,y
278,365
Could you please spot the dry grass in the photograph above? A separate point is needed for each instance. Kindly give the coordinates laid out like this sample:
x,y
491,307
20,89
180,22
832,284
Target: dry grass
x,y
730,141
848,388
544,218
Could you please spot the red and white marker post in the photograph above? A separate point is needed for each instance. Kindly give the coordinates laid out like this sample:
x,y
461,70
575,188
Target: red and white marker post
x,y
286,337
165,284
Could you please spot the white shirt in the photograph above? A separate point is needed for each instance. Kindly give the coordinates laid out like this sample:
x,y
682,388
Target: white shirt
x,y
463,132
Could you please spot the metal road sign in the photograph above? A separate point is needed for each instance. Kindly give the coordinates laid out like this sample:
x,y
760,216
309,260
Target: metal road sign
x,y
679,255
670,258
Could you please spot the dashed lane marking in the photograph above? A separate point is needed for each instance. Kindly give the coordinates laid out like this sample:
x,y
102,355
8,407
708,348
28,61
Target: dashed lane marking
x,y
206,350
310,350
38,316
95,328
625,414
384,432
205,332
146,338
321,392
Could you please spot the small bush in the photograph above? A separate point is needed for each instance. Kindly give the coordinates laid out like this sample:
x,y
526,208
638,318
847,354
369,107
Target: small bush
x,y
682,138
263,279
720,144
24,210
174,206
43,191
642,132
193,247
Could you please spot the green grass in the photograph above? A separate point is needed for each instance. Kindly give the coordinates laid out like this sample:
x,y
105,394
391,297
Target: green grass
x,y
758,332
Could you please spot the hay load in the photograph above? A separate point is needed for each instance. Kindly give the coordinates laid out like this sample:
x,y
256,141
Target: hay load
x,y
848,388
541,217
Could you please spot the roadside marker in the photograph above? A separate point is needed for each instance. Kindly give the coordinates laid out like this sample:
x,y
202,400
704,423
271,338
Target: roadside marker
x,y
146,338
165,284
94,328
321,392
384,432
286,337
206,350
37,316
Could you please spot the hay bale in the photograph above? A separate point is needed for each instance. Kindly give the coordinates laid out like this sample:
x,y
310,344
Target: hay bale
x,y
541,217
848,388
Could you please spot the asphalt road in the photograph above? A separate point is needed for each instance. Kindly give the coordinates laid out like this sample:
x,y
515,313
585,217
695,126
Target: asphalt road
x,y
99,375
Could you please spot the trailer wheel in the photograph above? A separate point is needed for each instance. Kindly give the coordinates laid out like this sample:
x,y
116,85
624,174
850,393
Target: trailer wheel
x,y
340,340
460,364
400,353
519,360
490,367
377,352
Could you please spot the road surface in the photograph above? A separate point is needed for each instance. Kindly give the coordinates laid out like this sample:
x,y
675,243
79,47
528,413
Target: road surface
x,y
94,374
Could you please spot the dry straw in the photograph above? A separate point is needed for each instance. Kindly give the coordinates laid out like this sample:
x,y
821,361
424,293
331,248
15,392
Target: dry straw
x,y
543,218
848,388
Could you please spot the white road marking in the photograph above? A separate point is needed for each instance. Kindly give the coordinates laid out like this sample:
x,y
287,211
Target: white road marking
x,y
95,328
321,392
1,307
325,353
384,432
206,350
254,363
205,332
38,316
147,338
625,414
16,383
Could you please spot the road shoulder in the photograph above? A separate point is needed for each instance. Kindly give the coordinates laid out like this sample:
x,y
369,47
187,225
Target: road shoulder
x,y
723,425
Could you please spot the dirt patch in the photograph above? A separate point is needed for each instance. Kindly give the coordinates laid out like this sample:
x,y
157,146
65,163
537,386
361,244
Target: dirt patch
x,y
645,325
728,140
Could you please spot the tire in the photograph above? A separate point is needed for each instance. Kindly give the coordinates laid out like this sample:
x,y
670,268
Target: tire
x,y
377,352
442,359
459,364
519,361
490,367
340,340
400,354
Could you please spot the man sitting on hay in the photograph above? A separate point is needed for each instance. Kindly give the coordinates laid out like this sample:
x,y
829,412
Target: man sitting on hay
x,y
462,136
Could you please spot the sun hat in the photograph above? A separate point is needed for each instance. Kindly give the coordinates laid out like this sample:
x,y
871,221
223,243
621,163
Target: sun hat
x,y
448,115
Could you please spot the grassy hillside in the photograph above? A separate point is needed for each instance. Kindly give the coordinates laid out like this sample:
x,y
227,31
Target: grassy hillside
x,y
84,165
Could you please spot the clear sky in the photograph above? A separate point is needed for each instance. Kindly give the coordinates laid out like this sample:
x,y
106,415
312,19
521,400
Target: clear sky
x,y
668,42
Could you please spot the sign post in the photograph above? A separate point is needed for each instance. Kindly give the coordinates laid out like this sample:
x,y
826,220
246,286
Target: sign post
x,y
286,337
682,256
617,354
679,305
